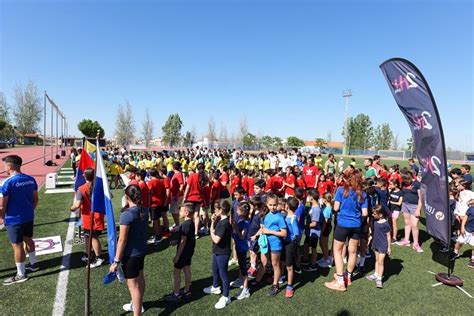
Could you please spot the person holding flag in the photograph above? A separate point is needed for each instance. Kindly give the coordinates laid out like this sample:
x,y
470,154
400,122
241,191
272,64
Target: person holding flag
x,y
84,163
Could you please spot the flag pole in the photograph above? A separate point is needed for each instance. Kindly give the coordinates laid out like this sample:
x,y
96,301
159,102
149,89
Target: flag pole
x,y
87,306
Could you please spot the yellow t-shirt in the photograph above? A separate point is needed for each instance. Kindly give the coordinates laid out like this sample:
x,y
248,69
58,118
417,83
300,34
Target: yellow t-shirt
x,y
260,164
184,165
208,166
148,164
115,169
169,163
142,164
318,162
266,164
158,163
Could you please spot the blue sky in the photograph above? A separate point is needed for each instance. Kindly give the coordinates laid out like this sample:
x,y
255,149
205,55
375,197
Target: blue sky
x,y
282,64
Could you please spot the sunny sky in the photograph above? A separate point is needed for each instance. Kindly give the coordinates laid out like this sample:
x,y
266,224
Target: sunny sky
x,y
282,64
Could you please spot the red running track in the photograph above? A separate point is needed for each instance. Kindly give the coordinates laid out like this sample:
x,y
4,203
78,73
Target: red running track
x,y
33,161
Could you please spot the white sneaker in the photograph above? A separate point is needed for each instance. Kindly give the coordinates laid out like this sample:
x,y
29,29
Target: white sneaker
x,y
222,303
97,263
237,283
245,293
129,308
212,290
232,261
323,263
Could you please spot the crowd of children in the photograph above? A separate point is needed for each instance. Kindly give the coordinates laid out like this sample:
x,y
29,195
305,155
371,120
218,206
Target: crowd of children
x,y
268,213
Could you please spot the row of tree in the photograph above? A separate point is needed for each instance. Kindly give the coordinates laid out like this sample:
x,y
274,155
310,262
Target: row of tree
x,y
362,135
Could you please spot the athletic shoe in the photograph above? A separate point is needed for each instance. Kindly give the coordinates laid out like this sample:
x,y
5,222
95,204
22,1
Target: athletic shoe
x,y
298,270
84,258
330,261
471,264
289,292
394,242
212,290
237,283
129,307
360,269
243,294
310,268
281,280
184,294
368,254
336,286
32,267
323,263
97,263
173,298
454,256
196,236
347,280
273,291
417,248
443,249
252,273
379,284
15,279
232,262
403,243
222,303
371,277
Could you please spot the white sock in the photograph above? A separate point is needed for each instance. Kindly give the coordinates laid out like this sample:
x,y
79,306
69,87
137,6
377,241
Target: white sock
x,y
32,256
362,261
379,278
20,268
376,275
456,251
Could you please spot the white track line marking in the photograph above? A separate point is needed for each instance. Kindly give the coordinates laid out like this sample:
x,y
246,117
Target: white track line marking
x,y
61,288
436,284
464,291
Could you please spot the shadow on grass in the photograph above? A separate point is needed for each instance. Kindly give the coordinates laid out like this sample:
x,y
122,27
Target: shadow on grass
x,y
343,312
439,257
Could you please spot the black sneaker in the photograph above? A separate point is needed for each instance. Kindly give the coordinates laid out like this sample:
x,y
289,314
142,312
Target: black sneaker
x,y
310,268
298,270
173,298
32,267
360,270
443,249
184,294
15,279
273,291
454,256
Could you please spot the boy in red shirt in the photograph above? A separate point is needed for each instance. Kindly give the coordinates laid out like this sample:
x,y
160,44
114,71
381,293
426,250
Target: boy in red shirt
x,y
277,183
176,190
156,187
311,175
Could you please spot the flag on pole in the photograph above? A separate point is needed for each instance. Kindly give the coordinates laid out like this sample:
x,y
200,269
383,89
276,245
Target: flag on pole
x,y
102,203
84,163
415,100
89,147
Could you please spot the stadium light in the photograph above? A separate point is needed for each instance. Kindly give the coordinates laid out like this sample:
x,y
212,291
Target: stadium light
x,y
346,94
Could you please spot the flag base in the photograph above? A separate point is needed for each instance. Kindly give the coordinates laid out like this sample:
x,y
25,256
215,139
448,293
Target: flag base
x,y
447,279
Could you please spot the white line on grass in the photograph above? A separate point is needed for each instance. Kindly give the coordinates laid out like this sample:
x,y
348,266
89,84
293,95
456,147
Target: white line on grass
x,y
61,288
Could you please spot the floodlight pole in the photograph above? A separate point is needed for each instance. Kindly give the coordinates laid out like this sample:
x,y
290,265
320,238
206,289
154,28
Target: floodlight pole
x,y
346,94
44,129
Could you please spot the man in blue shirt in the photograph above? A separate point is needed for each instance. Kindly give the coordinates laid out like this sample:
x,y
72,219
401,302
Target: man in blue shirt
x,y
18,200
466,174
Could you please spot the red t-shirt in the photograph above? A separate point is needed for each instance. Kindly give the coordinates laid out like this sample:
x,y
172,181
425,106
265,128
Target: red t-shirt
x,y
331,186
245,184
216,189
234,183
166,186
290,179
396,176
224,178
156,188
195,190
268,184
277,184
251,182
310,174
323,187
99,223
145,193
175,183
206,195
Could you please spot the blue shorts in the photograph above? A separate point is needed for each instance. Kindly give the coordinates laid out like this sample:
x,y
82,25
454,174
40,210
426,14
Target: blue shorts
x,y
16,232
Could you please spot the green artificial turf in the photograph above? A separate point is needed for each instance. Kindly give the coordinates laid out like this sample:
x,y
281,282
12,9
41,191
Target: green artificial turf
x,y
407,288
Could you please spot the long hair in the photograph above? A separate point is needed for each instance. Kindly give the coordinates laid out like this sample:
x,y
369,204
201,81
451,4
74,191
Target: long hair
x,y
203,179
134,193
353,180
89,176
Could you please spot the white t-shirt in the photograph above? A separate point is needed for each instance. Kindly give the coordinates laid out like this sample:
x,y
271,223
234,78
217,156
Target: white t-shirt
x,y
462,204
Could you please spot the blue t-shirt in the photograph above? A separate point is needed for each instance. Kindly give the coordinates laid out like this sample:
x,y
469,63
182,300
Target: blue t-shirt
x,y
315,216
241,245
326,214
469,226
300,215
19,189
382,196
137,234
350,210
468,177
275,222
255,224
293,229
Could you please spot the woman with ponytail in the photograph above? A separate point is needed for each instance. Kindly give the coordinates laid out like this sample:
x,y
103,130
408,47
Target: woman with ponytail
x,y
132,247
193,193
83,201
350,203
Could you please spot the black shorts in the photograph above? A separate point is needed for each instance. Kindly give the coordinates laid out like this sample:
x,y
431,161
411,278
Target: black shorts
x,y
327,230
290,253
95,233
184,260
155,212
242,258
312,241
342,234
132,266
17,232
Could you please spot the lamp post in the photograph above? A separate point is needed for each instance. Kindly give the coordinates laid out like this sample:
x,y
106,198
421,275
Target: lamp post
x,y
346,94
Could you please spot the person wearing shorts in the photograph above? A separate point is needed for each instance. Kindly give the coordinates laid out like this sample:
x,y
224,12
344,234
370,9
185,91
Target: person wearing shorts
x,y
18,200
176,191
291,243
351,204
132,247
395,199
194,195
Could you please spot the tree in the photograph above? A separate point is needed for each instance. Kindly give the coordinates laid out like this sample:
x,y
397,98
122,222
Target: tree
x,y
172,130
383,137
249,140
188,139
320,143
4,108
395,142
294,141
411,146
148,127
277,142
243,128
267,141
329,136
89,128
223,133
360,132
211,130
125,125
27,110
